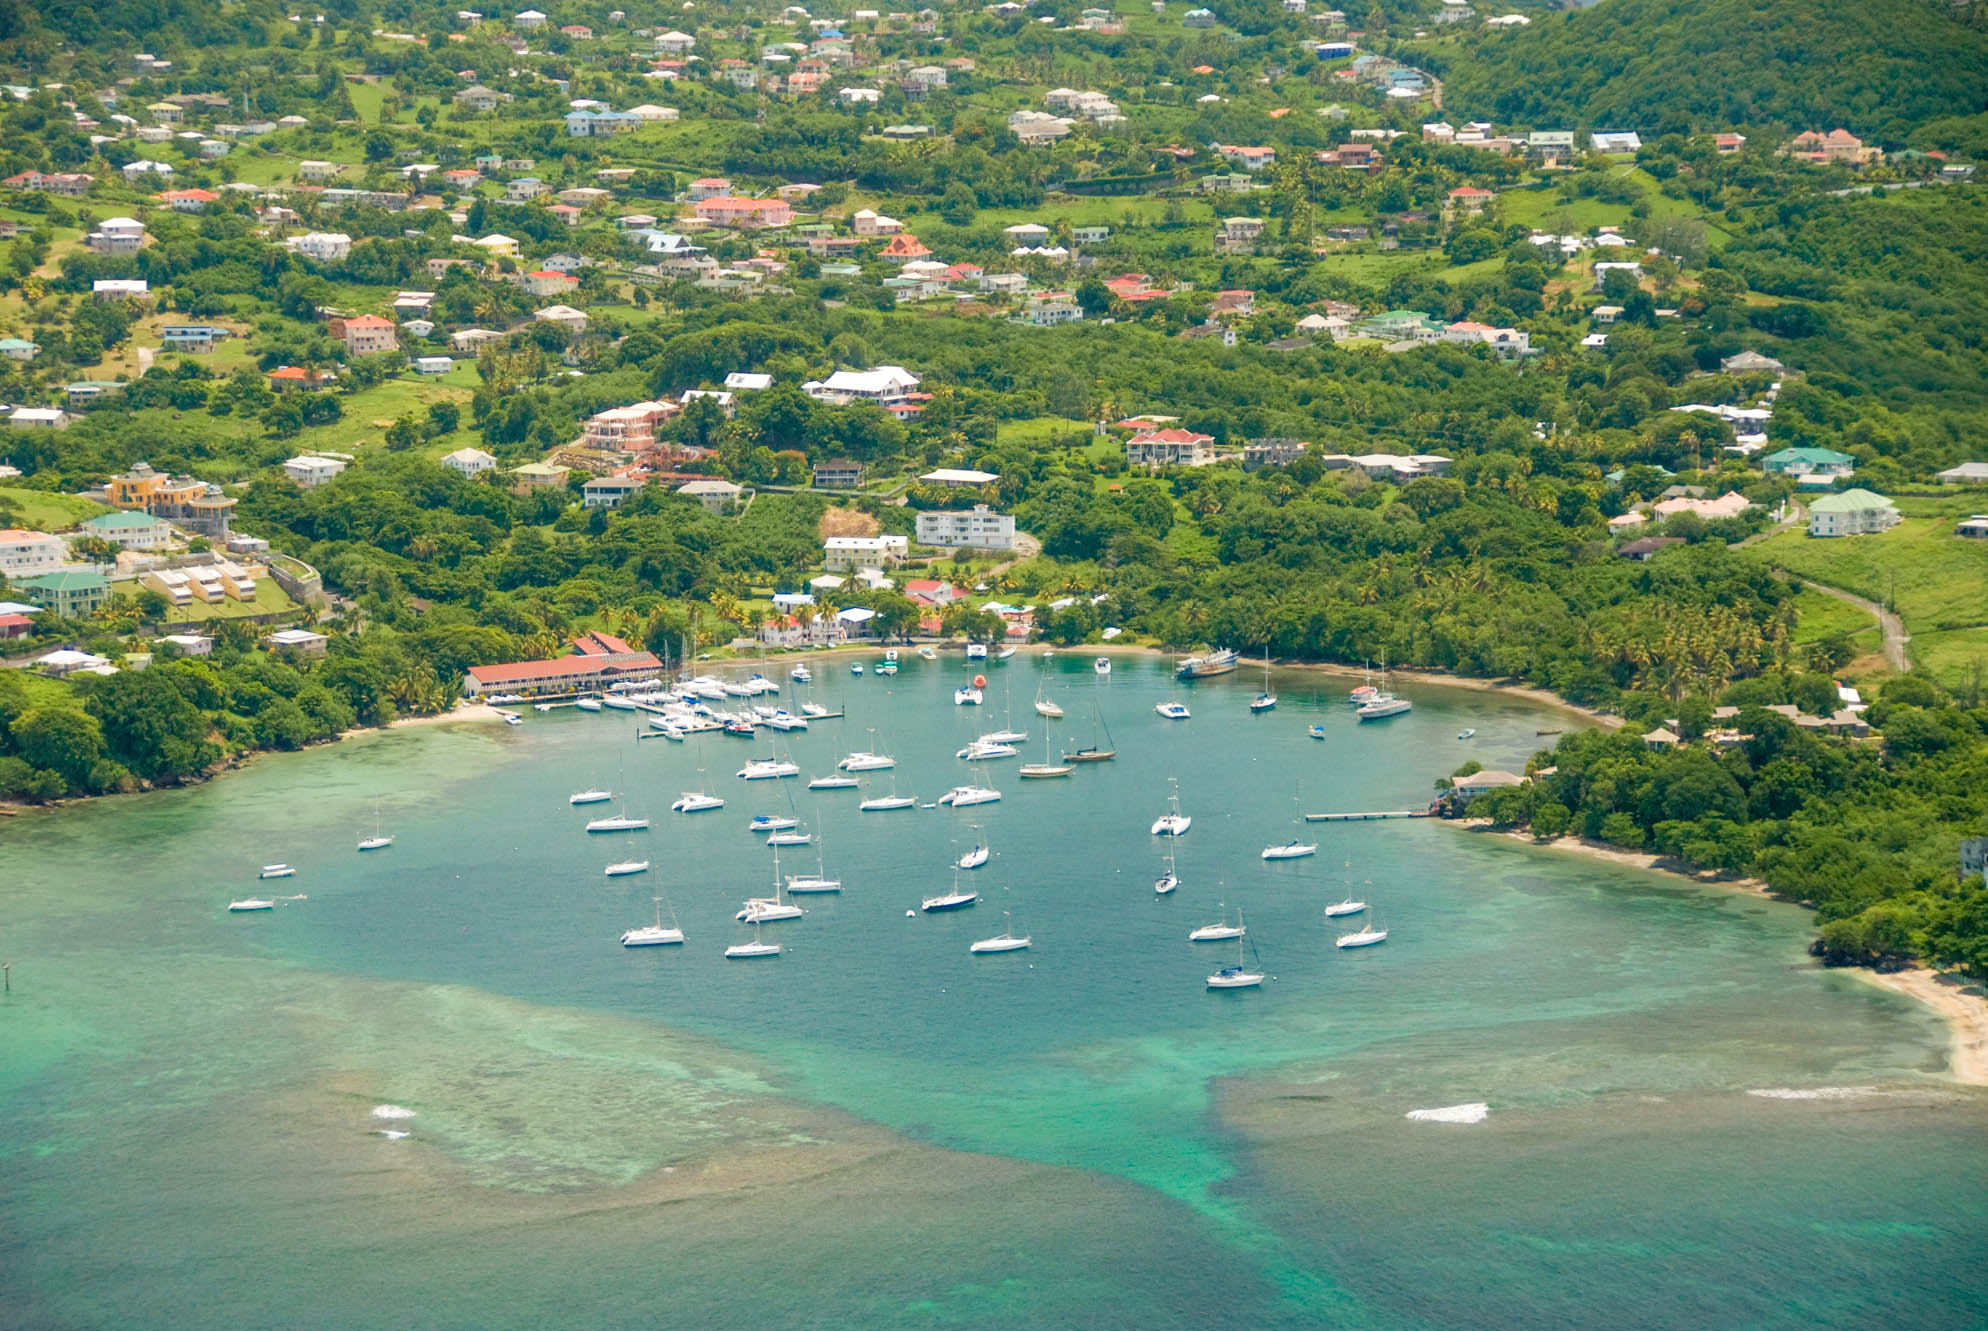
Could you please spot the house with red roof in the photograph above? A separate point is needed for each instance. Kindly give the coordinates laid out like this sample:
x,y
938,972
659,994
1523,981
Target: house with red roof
x,y
545,282
188,200
903,248
1171,447
932,592
1470,199
745,214
598,660
366,334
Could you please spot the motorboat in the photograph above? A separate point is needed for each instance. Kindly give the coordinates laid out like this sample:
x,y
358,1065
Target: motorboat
x,y
790,838
887,668
770,822
591,797
627,868
834,783
740,726
1002,737
768,769
1290,850
982,750
887,803
1367,937
1219,931
654,935
1004,653
1102,665
975,858
1316,732
1263,702
1383,706
588,704
248,904
511,718
928,654
976,651
800,674
618,823
541,707
890,655
277,871
855,668
785,721
1173,711
692,801
967,696
1219,662
862,761
961,797
1465,734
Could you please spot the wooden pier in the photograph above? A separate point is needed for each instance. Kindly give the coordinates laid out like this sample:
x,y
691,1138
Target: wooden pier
x,y
1367,817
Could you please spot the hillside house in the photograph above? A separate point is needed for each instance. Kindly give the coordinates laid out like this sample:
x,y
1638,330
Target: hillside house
x,y
1854,512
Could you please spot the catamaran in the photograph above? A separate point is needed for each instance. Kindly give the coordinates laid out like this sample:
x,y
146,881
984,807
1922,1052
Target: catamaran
x,y
966,695
1237,976
654,935
976,651
961,797
768,769
864,760
800,674
696,801
761,910
984,748
1173,822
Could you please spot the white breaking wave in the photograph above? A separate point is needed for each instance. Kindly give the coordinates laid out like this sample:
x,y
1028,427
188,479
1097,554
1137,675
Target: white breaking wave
x,y
1475,1112
1815,1093
395,1134
392,1111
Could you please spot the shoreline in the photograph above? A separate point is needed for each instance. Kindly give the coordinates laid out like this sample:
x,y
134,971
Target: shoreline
x,y
1962,1007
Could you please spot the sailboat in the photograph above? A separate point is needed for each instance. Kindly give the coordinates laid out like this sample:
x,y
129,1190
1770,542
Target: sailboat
x,y
979,855
595,796
1293,849
888,803
953,900
814,884
1005,941
768,769
1173,822
1237,976
837,782
1265,700
760,910
627,868
1169,880
1044,769
248,904
1219,932
1383,704
277,871
1366,692
1348,906
961,797
697,801
772,822
1043,706
1094,752
985,749
867,760
654,935
1366,937
756,948
378,840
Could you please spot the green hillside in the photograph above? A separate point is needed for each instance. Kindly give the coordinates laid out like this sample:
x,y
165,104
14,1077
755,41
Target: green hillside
x,y
1663,66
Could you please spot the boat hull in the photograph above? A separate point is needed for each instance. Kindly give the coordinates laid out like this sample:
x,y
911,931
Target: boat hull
x,y
1247,980
652,937
987,945
955,901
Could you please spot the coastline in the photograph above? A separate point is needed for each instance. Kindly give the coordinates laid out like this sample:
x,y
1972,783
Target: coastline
x,y
1962,1007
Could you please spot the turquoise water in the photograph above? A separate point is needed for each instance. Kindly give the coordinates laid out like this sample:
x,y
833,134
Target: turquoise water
x,y
879,1129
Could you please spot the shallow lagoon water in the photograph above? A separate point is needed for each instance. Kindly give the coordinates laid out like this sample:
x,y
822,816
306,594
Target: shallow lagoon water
x,y
878,1129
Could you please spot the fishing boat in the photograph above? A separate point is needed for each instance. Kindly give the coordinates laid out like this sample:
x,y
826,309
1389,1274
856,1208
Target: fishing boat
x,y
1265,700
1094,752
1005,941
976,651
1366,937
771,822
378,840
1218,662
1102,665
591,797
1169,880
248,904
953,900
627,868
1237,976
768,769
277,871
1219,931
800,674
966,695
654,935
1293,849
1465,733
834,783
753,950
1173,711
1173,822
961,797
696,801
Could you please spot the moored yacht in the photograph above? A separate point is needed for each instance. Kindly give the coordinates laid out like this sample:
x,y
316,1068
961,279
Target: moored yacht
x,y
961,797
771,822
966,695
976,651
1237,976
618,823
1005,941
1366,937
800,674
984,749
590,797
248,904
1290,850
1173,822
834,783
588,704
861,761
887,803
627,868
696,801
768,769
790,838
1217,932
1173,711
277,871
953,900
654,935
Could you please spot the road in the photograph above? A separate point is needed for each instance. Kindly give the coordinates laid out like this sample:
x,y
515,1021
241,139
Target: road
x,y
1893,628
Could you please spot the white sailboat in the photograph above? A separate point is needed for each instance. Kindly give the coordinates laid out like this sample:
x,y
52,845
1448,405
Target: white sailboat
x,y
757,947
590,797
1383,703
1366,937
953,900
986,750
813,884
961,797
588,704
1173,822
1045,769
888,803
771,822
834,783
1293,849
1005,941
248,904
378,840
654,935
1218,932
1169,880
1044,706
619,822
1265,700
697,801
627,868
761,910
1349,905
867,760
768,769
277,871
979,855
1237,976
790,837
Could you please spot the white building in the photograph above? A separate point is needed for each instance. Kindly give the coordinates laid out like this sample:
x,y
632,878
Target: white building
x,y
978,528
469,462
29,553
886,383
843,554
1854,512
310,471
713,494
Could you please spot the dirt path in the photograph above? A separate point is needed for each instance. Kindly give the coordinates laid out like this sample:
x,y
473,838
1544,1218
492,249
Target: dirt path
x,y
1893,628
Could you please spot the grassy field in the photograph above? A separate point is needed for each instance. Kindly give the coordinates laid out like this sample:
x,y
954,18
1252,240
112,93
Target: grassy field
x,y
1936,582
39,510
1041,430
269,599
1820,617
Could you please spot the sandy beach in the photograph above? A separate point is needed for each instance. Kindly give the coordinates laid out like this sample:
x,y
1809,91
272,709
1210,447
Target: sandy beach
x,y
1964,1006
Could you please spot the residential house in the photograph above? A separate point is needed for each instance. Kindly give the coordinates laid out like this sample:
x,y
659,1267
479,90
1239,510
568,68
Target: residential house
x,y
469,462
630,429
1967,473
745,381
430,364
609,491
1552,146
745,214
1238,235
838,474
539,476
312,169
565,316
47,418
884,384
713,494
480,98
708,187
1272,452
1823,463
1969,529
545,283
843,554
323,246
1470,200
902,248
1615,141
30,553
192,339
199,506
368,335
310,471
1838,146
978,528
70,593
524,189
1505,343
1643,548
790,631
1751,362
472,340
1171,447
20,349
866,223
1853,512
1249,158
498,246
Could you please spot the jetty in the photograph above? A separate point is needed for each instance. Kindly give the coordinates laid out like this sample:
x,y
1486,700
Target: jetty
x,y
1368,817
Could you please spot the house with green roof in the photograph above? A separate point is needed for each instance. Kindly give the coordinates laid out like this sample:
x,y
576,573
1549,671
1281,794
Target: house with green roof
x,y
1853,512
1396,325
72,593
134,530
1822,462
14,348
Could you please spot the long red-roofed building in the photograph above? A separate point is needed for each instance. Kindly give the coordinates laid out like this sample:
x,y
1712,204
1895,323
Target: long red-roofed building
x,y
598,660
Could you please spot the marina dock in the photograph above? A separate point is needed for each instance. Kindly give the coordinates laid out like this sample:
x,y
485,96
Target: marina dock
x,y
1367,817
